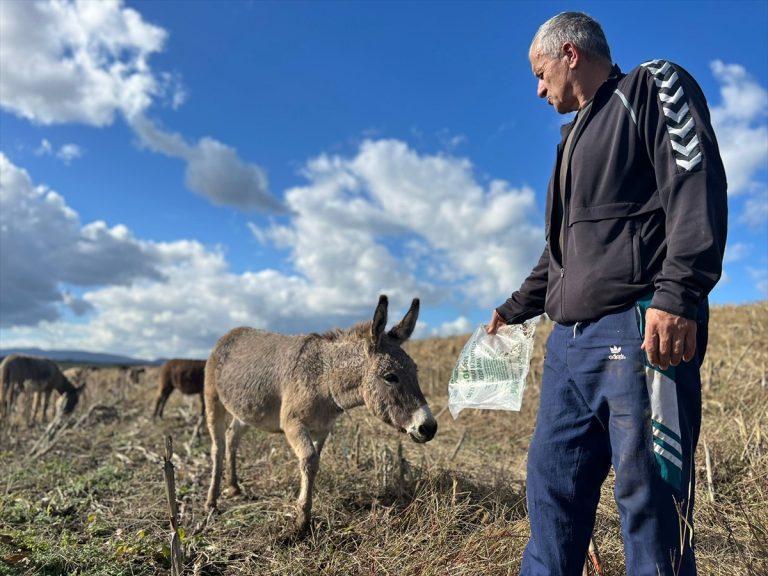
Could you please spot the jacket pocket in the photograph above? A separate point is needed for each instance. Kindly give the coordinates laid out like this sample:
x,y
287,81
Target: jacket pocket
x,y
614,210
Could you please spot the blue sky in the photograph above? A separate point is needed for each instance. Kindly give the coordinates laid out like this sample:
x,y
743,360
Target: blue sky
x,y
170,170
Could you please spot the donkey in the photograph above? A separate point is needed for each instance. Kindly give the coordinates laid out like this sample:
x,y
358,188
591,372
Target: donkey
x,y
299,385
36,376
187,376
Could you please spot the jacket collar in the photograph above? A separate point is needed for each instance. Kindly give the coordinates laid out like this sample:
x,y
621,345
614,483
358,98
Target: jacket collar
x,y
607,87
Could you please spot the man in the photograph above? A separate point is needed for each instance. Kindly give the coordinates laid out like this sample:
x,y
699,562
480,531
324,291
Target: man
x,y
636,228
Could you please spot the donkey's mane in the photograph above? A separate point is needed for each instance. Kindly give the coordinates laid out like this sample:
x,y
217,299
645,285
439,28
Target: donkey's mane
x,y
359,330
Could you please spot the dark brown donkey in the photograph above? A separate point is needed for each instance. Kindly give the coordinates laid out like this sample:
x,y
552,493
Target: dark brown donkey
x,y
38,377
299,385
187,376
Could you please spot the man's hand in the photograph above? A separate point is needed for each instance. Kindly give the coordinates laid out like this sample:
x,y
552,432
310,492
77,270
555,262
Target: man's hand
x,y
668,338
495,322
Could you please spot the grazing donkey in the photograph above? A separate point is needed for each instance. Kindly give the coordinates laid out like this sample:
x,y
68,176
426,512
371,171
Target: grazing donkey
x,y
299,385
37,376
187,376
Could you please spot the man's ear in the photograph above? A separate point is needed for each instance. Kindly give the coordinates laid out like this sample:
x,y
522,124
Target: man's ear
x,y
572,53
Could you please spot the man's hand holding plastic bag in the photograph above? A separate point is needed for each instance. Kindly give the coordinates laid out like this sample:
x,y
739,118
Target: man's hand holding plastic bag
x,y
492,369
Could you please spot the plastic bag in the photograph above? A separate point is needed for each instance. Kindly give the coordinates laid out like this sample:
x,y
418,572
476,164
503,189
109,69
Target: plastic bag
x,y
492,369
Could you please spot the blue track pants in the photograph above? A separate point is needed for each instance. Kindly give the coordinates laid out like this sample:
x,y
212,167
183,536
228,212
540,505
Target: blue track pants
x,y
602,406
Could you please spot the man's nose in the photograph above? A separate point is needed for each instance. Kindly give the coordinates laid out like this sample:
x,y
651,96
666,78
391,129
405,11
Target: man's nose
x,y
541,90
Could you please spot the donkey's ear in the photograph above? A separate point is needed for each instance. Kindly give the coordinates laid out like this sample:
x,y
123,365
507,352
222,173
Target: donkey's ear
x,y
405,327
379,321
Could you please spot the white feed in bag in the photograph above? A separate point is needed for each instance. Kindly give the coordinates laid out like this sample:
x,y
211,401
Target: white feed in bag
x,y
492,369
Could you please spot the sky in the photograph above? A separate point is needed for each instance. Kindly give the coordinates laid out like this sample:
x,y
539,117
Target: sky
x,y
171,170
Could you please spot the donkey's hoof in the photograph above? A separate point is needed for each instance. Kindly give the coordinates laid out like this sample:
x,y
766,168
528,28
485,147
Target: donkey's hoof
x,y
233,491
293,535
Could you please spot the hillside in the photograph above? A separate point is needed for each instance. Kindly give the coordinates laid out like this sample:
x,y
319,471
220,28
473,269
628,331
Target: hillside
x,y
78,356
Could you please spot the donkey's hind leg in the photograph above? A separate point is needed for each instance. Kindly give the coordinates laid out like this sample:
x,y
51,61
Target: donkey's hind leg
x,y
234,434
162,398
216,416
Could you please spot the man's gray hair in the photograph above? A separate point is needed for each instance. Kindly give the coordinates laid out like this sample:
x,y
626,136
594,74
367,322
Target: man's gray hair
x,y
577,28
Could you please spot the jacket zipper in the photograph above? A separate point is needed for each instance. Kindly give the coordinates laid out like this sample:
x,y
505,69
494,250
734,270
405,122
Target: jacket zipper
x,y
566,204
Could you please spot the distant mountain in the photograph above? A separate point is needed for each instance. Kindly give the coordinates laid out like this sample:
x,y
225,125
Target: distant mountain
x,y
78,356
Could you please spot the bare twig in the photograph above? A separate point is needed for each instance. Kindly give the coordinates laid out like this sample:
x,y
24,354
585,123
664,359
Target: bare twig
x,y
708,461
458,444
357,446
177,557
594,556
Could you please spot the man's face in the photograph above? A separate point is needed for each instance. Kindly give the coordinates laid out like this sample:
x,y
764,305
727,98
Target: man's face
x,y
554,81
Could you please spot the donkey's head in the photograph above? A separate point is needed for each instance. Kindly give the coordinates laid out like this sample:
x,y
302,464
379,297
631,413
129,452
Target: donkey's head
x,y
70,396
390,383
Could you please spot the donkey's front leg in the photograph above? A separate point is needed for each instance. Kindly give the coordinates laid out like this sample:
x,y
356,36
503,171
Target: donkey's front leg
x,y
46,401
309,462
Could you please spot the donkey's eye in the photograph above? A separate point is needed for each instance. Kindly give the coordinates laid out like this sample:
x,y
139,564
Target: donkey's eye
x,y
391,378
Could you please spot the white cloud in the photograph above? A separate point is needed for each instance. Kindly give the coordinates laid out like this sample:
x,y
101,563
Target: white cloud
x,y
87,62
736,251
386,220
76,61
460,325
755,212
197,300
741,124
142,298
44,149
391,218
43,246
214,170
65,153
760,278
69,152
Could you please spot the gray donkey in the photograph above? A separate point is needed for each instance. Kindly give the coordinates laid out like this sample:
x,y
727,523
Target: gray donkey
x,y
299,385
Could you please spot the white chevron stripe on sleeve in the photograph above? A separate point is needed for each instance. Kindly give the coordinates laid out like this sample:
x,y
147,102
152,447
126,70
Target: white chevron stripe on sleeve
x,y
676,116
671,93
688,164
683,131
671,81
667,99
662,69
686,149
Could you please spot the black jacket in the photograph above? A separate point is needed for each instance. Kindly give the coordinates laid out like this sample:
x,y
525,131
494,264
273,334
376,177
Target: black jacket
x,y
646,208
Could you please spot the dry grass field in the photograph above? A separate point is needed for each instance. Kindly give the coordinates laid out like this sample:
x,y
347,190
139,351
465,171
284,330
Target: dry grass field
x,y
92,498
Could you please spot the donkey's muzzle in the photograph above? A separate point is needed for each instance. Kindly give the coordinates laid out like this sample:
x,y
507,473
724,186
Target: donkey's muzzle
x,y
425,432
423,426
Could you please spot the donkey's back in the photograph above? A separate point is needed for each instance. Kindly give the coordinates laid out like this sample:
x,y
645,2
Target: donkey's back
x,y
17,368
